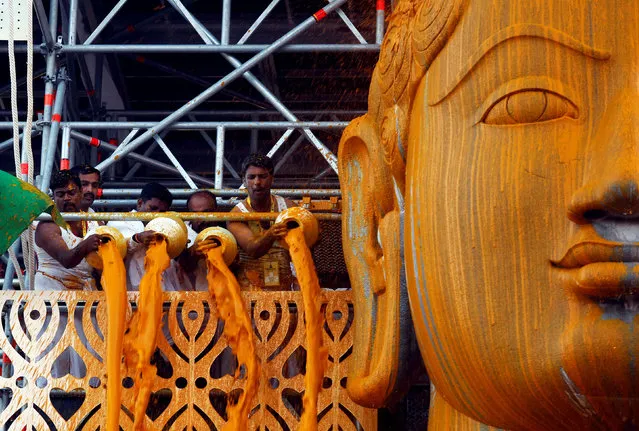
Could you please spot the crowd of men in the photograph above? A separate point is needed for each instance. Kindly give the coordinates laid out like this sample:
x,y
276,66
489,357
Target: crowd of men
x,y
263,263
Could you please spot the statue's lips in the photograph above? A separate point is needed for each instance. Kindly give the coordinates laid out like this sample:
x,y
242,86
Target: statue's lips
x,y
601,268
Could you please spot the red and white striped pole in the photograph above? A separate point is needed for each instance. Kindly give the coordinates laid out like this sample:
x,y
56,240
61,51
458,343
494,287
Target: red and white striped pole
x,y
379,28
65,150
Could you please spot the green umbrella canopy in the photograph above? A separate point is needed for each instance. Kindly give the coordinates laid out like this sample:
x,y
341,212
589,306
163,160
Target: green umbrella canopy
x,y
20,204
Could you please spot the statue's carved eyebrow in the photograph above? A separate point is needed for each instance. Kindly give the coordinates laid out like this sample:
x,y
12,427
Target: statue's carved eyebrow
x,y
513,32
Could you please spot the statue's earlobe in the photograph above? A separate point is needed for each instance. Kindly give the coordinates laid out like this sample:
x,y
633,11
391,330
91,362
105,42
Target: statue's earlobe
x,y
372,234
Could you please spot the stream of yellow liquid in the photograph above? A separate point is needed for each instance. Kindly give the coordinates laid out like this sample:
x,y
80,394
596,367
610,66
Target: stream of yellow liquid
x,y
114,284
141,340
238,330
316,355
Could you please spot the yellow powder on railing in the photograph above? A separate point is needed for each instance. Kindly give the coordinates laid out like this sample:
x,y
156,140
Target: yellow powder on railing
x,y
238,330
316,356
114,285
141,340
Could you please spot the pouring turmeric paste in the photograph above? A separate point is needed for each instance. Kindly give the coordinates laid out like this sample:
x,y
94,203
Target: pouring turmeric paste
x,y
114,284
316,356
141,340
238,330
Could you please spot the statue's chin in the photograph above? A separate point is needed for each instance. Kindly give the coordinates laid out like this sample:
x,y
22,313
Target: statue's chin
x,y
599,366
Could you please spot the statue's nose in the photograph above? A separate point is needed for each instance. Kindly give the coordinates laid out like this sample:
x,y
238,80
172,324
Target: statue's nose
x,y
611,179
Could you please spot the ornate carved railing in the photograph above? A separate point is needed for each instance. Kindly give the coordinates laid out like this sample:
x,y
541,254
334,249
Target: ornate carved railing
x,y
191,386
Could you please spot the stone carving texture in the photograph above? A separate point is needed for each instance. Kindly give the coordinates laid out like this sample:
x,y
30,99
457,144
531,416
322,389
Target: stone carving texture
x,y
40,332
494,181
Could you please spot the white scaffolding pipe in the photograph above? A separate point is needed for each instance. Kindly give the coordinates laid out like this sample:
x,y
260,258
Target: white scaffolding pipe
x,y
49,77
209,141
175,162
65,162
257,22
219,157
280,142
351,26
104,22
73,21
270,97
195,125
199,99
137,165
55,127
288,153
226,22
379,27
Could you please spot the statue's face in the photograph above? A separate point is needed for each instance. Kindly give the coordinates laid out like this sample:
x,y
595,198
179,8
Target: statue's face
x,y
521,228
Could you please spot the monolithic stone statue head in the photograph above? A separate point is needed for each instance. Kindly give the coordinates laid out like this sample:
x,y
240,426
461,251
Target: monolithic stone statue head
x,y
498,166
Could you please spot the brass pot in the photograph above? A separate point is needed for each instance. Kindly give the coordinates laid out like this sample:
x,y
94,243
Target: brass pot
x,y
299,217
225,239
173,229
107,233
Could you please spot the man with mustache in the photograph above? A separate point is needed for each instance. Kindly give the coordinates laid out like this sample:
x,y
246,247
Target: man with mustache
x,y
61,252
264,264
90,179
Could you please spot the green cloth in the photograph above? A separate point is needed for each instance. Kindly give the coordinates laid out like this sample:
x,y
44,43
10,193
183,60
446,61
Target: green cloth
x,y
20,204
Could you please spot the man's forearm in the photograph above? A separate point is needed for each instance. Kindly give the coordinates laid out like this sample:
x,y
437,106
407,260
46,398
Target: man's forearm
x,y
260,246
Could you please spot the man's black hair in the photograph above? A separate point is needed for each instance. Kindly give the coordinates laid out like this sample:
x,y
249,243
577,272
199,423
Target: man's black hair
x,y
202,193
61,179
85,169
259,161
158,191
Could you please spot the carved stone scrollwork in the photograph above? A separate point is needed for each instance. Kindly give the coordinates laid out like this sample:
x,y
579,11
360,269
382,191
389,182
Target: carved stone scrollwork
x,y
54,371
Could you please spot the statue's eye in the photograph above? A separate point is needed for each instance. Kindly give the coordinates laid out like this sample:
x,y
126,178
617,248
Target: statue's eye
x,y
530,106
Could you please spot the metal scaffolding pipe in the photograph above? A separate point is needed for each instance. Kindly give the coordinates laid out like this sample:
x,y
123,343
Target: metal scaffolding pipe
x,y
195,125
94,142
270,97
257,22
73,21
147,216
279,143
175,161
206,49
55,127
226,22
379,27
107,19
49,85
44,24
209,141
219,157
228,193
9,142
127,113
202,97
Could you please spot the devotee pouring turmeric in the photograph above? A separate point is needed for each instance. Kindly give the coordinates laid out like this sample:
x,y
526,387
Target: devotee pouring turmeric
x,y
192,266
61,252
61,255
264,263
153,198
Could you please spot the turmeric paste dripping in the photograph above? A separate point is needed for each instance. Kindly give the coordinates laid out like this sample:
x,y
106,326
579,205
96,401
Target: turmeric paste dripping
x,y
316,356
114,284
141,340
238,330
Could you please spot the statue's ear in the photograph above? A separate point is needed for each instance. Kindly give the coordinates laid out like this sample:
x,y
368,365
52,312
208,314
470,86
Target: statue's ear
x,y
372,236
